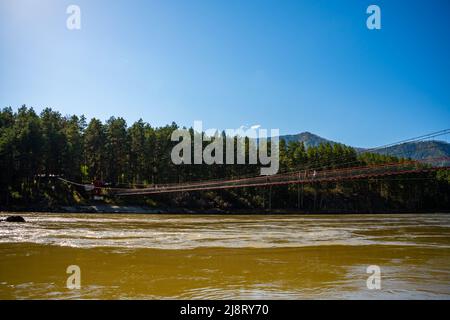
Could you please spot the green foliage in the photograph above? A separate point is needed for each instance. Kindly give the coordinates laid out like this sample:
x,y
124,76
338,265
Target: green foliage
x,y
33,148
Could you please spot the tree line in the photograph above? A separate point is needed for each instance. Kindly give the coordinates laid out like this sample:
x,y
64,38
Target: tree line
x,y
36,147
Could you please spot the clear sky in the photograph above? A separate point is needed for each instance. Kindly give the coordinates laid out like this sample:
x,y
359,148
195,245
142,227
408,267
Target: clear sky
x,y
301,65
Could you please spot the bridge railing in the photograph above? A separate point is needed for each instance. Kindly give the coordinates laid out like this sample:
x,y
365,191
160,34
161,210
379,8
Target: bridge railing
x,y
305,176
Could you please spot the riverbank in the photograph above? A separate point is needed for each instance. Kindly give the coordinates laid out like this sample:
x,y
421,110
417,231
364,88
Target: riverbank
x,y
107,208
139,209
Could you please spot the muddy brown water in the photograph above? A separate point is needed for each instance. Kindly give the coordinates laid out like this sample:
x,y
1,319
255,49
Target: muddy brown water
x,y
225,256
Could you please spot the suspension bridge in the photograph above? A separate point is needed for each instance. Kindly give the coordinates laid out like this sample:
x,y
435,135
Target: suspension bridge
x,y
311,174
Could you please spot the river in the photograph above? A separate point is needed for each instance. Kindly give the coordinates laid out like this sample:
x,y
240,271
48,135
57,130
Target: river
x,y
226,256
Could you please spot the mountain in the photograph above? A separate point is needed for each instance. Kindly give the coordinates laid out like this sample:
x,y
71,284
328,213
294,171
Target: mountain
x,y
309,139
415,150
420,150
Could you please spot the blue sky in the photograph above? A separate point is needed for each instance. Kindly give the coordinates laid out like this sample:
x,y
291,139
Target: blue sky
x,y
301,65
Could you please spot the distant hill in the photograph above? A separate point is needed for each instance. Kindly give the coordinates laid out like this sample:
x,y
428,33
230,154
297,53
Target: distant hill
x,y
414,150
420,150
309,139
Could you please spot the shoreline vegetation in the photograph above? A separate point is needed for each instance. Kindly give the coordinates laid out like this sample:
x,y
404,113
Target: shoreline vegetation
x,y
37,149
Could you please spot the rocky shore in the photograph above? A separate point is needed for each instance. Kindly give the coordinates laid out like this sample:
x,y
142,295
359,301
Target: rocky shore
x,y
139,209
110,208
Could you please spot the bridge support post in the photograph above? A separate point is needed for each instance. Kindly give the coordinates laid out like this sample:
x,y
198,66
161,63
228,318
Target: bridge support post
x,y
264,198
298,196
270,198
303,194
315,196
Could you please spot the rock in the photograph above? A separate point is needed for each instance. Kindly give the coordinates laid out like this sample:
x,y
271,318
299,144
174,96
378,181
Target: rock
x,y
15,219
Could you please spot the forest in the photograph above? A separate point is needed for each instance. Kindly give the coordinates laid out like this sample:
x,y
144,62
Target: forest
x,y
37,148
